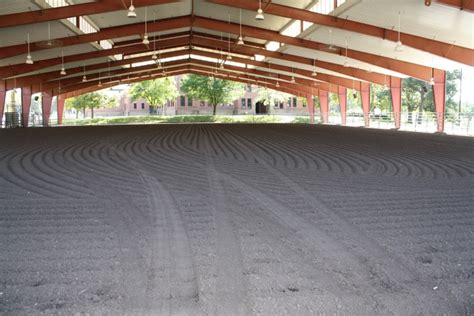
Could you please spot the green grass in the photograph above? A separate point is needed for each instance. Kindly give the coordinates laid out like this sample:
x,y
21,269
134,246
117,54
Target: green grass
x,y
156,119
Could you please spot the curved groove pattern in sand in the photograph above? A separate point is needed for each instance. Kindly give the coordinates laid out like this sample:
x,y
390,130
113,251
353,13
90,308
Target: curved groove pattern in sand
x,y
243,219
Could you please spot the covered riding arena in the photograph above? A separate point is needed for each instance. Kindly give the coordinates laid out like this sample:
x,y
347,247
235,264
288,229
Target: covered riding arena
x,y
234,219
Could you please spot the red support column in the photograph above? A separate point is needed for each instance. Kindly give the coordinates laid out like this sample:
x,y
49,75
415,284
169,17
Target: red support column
x,y
324,104
365,93
3,95
25,105
60,109
396,93
439,94
47,100
342,93
310,103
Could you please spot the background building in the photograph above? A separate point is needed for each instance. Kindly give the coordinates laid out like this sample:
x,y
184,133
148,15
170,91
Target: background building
x,y
249,103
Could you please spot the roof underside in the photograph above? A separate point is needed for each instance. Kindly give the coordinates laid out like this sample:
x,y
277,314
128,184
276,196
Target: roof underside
x,y
350,44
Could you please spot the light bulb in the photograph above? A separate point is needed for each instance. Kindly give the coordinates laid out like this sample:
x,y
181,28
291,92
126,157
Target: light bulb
x,y
293,79
29,60
240,41
154,57
314,73
229,57
260,15
100,84
84,78
131,11
62,72
145,39
399,47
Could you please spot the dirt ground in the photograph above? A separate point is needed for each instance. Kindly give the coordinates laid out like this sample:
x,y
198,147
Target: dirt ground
x,y
235,220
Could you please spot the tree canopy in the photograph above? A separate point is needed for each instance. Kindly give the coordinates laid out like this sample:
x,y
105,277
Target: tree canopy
x,y
213,90
270,96
90,101
156,91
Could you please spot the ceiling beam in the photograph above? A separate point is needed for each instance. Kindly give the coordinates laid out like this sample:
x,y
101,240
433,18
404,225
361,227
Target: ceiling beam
x,y
100,68
374,77
184,69
467,5
44,77
407,68
417,71
450,51
51,14
196,41
92,87
19,69
143,71
348,83
103,34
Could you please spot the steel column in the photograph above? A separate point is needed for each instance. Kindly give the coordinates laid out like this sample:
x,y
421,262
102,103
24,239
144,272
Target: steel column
x,y
342,94
439,95
365,93
25,105
310,102
60,102
396,93
46,101
324,105
3,95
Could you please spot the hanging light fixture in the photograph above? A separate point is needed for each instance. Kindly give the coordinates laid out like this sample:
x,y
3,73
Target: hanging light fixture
x,y
100,82
131,10
29,59
145,36
63,70
432,80
346,61
229,56
259,15
277,84
314,73
240,41
399,46
292,75
84,78
154,56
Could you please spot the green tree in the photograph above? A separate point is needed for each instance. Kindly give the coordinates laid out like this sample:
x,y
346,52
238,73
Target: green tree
x,y
269,97
90,101
213,90
156,92
417,95
380,98
452,80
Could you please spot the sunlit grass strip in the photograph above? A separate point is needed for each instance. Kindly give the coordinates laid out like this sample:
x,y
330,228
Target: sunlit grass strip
x,y
187,119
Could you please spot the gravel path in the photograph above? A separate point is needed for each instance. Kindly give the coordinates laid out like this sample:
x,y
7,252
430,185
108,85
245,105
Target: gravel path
x,y
235,220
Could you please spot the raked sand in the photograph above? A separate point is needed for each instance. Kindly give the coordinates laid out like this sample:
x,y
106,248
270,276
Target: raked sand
x,y
235,219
